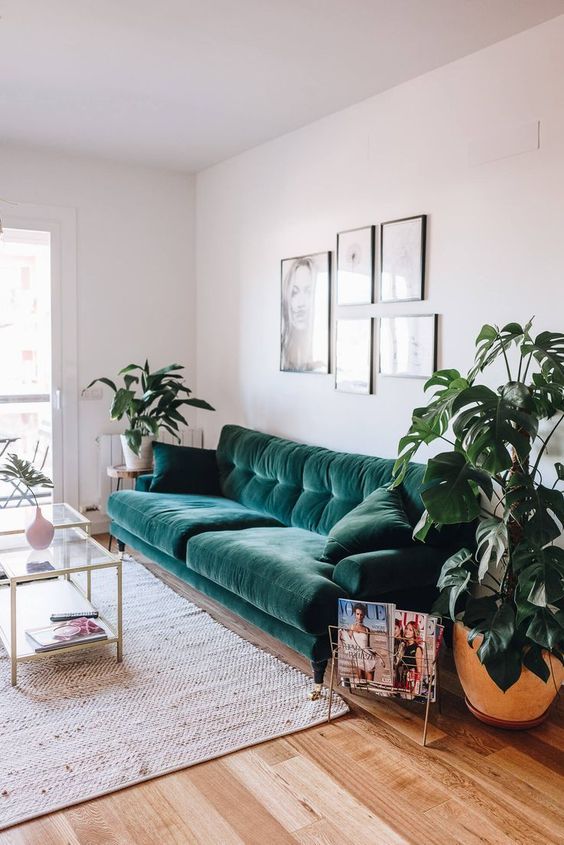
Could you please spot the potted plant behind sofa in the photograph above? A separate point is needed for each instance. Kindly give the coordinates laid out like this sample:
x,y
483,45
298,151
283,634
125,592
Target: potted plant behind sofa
x,y
508,640
149,401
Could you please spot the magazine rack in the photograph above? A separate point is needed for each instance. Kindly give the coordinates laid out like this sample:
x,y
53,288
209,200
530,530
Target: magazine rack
x,y
432,671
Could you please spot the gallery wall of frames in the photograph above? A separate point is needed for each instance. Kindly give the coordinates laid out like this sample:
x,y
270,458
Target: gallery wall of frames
x,y
383,264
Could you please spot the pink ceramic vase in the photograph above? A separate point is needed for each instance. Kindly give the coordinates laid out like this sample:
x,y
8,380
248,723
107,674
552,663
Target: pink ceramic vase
x,y
40,532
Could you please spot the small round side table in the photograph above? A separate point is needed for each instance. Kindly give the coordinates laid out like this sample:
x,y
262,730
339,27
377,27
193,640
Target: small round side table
x,y
120,472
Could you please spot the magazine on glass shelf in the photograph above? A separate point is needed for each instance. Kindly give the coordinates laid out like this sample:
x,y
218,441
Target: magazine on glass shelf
x,y
62,634
365,640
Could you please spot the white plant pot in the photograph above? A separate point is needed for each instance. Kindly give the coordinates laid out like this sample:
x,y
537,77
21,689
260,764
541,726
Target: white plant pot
x,y
144,459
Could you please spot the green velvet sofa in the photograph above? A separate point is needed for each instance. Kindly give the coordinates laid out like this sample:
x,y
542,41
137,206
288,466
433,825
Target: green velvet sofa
x,y
255,542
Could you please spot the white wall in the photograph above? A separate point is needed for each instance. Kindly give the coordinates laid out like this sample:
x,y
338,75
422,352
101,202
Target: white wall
x,y
496,243
135,269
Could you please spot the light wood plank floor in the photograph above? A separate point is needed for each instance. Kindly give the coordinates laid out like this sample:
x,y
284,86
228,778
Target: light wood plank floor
x,y
364,778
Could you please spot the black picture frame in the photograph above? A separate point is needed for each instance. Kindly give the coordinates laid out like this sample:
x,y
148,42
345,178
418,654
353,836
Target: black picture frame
x,y
303,331
416,264
422,372
370,234
369,352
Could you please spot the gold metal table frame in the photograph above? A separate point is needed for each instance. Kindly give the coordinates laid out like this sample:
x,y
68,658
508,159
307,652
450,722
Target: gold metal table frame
x,y
9,629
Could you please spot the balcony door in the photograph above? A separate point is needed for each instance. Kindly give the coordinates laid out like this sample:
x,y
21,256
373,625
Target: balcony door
x,y
36,412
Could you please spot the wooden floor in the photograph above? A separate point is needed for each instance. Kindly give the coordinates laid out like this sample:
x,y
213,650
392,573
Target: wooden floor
x,y
363,779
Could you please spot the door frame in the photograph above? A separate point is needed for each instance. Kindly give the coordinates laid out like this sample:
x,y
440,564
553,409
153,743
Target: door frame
x,y
60,222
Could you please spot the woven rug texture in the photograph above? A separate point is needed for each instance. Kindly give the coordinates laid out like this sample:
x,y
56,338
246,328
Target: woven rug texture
x,y
188,690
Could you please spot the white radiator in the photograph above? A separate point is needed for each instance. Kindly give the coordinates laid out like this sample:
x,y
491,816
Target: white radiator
x,y
110,454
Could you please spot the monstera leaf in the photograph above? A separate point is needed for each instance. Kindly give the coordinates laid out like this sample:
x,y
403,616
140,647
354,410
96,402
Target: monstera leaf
x,y
548,350
18,469
429,423
492,540
541,573
450,488
491,425
498,652
538,510
453,581
546,627
533,659
493,342
548,396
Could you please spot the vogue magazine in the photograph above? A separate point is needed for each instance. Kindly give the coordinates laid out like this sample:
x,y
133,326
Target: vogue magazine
x,y
387,650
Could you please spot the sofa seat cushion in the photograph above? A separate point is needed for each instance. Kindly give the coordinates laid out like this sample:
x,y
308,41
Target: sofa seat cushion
x,y
277,570
168,520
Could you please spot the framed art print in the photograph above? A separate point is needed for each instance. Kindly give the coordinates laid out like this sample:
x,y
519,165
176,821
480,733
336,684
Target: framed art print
x,y
408,345
355,266
353,355
402,259
304,317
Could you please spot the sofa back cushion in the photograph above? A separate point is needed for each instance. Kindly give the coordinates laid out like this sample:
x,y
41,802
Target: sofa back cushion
x,y
305,486
379,522
182,469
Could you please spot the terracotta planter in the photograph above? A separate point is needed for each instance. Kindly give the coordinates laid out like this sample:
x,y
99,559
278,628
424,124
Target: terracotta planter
x,y
524,705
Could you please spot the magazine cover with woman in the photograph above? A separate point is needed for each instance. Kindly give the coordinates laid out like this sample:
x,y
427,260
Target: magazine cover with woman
x,y
416,644
365,645
387,650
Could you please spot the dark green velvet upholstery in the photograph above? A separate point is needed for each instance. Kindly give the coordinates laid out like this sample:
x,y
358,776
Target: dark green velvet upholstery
x,y
379,522
276,569
168,520
257,548
371,574
304,486
183,469
312,487
314,648
143,483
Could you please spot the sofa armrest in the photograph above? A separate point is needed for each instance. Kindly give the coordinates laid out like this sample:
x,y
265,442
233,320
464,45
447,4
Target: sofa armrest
x,y
143,482
372,574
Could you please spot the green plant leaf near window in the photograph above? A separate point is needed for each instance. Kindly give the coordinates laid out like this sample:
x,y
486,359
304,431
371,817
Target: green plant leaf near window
x,y
150,401
491,474
20,471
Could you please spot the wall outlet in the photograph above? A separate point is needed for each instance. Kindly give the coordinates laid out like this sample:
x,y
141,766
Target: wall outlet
x,y
95,392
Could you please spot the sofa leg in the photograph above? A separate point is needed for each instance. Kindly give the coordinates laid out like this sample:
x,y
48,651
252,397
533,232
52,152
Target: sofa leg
x,y
319,667
121,546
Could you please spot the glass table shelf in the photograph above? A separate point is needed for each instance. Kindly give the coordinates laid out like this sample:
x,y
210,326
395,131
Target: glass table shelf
x,y
16,520
39,583
70,548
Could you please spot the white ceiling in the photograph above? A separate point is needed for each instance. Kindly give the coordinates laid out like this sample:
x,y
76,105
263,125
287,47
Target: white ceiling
x,y
186,83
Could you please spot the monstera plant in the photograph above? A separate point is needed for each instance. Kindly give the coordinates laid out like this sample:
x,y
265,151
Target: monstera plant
x,y
149,401
510,583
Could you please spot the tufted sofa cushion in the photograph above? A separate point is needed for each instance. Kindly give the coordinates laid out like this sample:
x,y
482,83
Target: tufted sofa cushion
x,y
277,570
168,520
304,486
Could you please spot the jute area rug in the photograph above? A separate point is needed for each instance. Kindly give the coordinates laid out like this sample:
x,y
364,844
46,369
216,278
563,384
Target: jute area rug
x,y
188,690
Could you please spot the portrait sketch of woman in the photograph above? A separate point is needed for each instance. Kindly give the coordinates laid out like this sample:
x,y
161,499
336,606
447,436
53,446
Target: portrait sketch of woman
x,y
304,329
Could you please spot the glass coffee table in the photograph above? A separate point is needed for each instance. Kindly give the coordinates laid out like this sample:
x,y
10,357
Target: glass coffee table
x,y
16,520
28,596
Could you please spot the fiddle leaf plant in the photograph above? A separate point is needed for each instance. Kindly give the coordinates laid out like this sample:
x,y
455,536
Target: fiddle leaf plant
x,y
150,401
490,475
